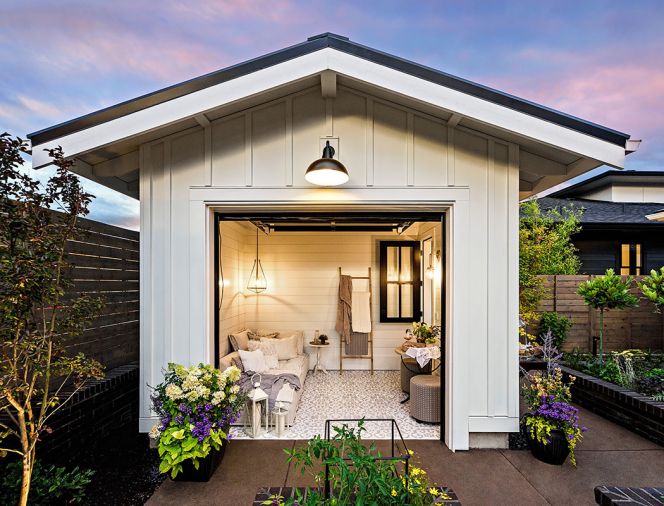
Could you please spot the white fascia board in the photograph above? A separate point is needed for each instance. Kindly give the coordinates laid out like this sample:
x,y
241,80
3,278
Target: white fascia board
x,y
360,69
476,108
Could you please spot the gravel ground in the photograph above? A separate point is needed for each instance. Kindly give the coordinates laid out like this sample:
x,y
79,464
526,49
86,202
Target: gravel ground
x,y
126,472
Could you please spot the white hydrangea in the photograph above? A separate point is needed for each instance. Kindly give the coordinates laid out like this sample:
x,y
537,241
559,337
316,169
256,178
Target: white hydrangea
x,y
154,432
191,382
173,392
235,389
217,397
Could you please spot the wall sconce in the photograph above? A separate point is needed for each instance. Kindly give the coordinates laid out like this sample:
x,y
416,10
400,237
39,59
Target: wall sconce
x,y
430,273
257,281
327,171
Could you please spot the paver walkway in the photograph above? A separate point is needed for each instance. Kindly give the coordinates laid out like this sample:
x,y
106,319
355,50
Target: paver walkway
x,y
610,455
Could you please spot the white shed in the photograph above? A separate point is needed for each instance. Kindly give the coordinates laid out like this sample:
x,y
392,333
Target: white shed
x,y
416,142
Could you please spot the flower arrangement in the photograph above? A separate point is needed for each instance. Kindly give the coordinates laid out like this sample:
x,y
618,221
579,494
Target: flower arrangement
x,y
425,333
556,415
548,398
196,405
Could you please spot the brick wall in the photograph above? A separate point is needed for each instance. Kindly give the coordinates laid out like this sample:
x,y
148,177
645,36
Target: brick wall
x,y
638,413
102,409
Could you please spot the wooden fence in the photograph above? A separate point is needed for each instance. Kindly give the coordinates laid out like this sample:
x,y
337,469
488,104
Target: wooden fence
x,y
105,262
638,327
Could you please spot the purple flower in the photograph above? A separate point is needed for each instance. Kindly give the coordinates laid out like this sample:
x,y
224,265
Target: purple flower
x,y
179,419
184,409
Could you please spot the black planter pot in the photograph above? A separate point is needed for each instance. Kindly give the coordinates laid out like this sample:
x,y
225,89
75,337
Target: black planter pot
x,y
555,452
206,466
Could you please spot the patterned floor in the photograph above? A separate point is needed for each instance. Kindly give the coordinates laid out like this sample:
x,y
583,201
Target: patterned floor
x,y
355,394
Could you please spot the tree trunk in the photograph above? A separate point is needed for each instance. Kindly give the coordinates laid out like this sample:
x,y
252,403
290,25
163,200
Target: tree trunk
x,y
26,478
601,338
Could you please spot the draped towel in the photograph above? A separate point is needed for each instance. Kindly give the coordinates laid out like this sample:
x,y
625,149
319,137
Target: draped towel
x,y
361,313
344,308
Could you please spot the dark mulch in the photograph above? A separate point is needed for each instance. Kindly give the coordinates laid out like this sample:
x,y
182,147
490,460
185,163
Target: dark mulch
x,y
518,440
126,471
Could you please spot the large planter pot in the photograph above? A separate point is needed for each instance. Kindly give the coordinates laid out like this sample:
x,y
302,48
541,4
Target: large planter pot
x,y
206,467
555,452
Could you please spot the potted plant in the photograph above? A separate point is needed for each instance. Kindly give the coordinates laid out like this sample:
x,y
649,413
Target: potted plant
x,y
196,405
358,474
552,424
425,333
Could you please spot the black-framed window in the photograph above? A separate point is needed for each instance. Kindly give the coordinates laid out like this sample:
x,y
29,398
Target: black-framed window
x,y
631,259
400,281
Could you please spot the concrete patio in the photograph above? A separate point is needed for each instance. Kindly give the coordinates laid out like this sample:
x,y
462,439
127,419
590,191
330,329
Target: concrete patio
x,y
609,455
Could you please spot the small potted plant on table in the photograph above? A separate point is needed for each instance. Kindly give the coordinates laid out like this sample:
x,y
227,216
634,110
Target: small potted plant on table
x,y
196,405
426,334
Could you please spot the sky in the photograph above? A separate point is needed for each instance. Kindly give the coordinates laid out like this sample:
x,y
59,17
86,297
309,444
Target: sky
x,y
600,60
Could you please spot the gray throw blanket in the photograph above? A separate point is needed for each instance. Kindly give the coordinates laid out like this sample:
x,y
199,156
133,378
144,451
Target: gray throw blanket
x,y
344,309
271,384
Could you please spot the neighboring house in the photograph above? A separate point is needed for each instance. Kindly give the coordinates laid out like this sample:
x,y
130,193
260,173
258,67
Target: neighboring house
x,y
418,144
622,221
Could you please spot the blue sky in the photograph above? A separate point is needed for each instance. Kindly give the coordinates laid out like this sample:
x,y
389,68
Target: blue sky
x,y
600,60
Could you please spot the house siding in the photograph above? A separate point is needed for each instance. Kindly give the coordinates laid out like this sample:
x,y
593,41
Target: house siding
x,y
396,156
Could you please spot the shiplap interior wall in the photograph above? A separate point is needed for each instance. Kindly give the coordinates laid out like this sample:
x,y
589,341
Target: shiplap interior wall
x,y
302,270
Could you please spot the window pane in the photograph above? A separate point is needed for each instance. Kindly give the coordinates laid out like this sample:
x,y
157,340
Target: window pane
x,y
406,273
392,263
638,255
624,256
624,271
406,301
392,300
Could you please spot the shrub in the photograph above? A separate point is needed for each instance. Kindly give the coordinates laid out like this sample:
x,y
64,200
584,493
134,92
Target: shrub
x,y
652,288
51,486
558,325
604,293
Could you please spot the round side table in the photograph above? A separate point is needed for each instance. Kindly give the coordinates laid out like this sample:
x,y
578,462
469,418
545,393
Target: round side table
x,y
319,364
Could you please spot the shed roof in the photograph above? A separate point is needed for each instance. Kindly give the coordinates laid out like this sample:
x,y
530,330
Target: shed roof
x,y
345,45
603,212
611,177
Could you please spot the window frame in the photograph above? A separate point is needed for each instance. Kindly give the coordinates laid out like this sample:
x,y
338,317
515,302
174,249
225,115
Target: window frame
x,y
635,257
416,281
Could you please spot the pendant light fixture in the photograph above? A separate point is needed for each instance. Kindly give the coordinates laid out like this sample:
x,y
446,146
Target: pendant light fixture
x,y
257,281
327,171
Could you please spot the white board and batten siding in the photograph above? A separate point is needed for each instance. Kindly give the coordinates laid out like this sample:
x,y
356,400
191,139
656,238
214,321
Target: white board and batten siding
x,y
396,158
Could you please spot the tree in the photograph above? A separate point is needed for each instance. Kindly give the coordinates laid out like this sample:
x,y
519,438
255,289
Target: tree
x,y
652,288
37,319
545,247
604,293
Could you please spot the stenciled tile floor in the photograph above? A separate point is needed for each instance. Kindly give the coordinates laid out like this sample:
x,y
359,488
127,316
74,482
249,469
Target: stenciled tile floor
x,y
354,394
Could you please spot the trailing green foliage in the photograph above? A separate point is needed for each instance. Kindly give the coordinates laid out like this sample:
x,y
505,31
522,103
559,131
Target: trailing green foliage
x,y
357,473
545,248
51,486
607,292
558,325
652,288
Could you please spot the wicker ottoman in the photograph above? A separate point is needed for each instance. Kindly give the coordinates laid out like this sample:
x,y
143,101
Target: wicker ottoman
x,y
425,398
410,368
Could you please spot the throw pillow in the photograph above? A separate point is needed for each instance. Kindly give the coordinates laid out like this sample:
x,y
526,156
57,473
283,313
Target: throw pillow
x,y
299,335
262,333
253,360
239,340
269,352
286,347
237,362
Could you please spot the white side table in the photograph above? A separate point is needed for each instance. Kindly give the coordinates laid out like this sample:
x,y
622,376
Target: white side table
x,y
319,364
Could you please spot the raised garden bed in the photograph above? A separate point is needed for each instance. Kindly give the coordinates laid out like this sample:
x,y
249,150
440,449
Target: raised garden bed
x,y
266,494
637,412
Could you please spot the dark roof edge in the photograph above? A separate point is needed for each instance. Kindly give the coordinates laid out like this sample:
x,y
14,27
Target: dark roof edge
x,y
578,188
341,44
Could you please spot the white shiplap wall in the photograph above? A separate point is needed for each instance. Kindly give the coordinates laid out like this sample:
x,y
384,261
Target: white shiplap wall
x,y
302,270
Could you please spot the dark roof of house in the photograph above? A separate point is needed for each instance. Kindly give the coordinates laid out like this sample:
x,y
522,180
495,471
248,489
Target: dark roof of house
x,y
345,45
603,212
611,177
